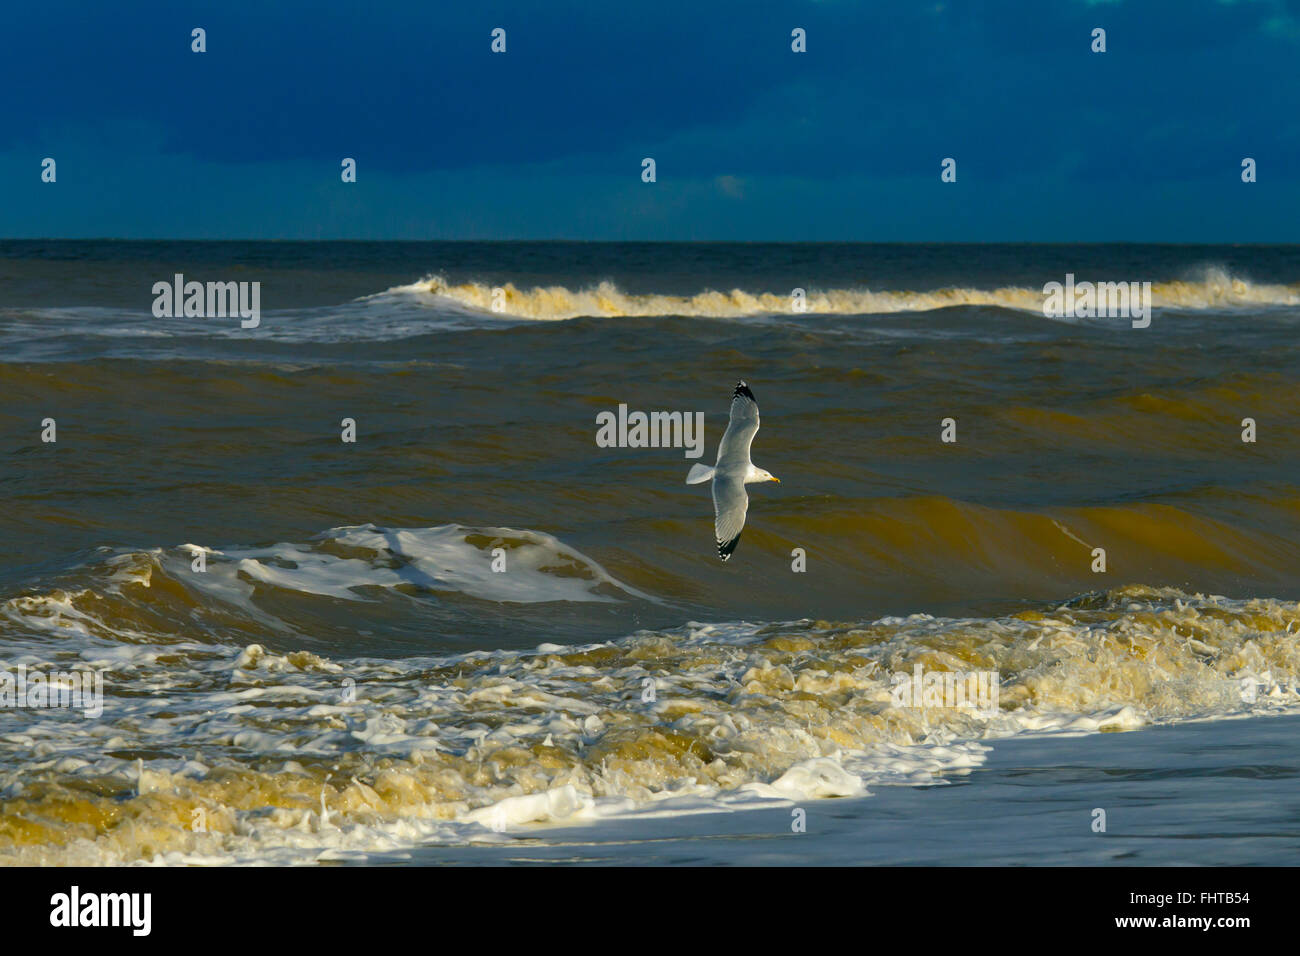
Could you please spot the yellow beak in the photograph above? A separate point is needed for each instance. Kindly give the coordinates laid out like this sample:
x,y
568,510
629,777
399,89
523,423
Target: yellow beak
x,y
776,479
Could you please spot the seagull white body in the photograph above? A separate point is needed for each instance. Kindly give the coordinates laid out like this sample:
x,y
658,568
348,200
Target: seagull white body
x,y
733,471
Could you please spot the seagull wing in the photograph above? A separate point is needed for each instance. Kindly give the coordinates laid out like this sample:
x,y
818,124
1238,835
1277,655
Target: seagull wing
x,y
730,503
733,451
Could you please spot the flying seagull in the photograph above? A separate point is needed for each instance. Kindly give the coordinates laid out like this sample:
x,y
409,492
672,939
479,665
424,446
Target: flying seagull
x,y
733,471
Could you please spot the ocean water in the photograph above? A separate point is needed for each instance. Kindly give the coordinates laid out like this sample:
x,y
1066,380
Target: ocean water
x,y
348,677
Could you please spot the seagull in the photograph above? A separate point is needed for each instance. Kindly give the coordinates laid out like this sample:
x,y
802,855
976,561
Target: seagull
x,y
733,471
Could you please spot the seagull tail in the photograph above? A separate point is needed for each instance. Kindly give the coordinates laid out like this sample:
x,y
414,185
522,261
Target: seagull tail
x,y
699,473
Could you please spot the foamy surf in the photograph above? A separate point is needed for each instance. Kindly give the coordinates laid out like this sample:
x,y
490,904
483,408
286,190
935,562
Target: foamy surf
x,y
1214,289
220,753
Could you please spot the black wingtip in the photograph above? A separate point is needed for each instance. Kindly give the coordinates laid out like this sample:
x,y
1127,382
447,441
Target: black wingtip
x,y
726,547
743,389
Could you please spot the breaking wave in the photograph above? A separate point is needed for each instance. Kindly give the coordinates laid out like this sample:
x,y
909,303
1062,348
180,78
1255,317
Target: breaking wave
x,y
1215,289
228,752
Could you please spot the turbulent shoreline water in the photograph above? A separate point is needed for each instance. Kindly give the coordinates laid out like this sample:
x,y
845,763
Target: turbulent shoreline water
x,y
348,673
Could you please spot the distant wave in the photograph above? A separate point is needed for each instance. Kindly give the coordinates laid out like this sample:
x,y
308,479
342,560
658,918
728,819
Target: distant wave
x,y
1214,289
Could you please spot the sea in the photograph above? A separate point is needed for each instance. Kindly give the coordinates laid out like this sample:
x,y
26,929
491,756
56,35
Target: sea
x,y
353,578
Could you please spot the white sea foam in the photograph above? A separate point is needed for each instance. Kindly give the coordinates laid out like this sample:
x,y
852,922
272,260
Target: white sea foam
x,y
1213,289
295,757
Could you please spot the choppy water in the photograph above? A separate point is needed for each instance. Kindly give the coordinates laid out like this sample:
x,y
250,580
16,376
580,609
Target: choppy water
x,y
349,675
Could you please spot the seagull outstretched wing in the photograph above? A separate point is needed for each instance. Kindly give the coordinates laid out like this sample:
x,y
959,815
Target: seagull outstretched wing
x,y
730,500
733,450
730,503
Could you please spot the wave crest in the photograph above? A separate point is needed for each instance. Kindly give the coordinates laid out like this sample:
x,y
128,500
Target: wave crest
x,y
1214,289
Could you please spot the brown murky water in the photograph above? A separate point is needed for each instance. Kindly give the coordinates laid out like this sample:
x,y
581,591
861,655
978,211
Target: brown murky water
x,y
227,688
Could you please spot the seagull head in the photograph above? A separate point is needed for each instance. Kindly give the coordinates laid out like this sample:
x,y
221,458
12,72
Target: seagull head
x,y
762,475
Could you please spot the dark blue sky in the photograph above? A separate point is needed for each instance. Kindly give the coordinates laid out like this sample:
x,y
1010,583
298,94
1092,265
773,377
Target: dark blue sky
x,y
752,141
